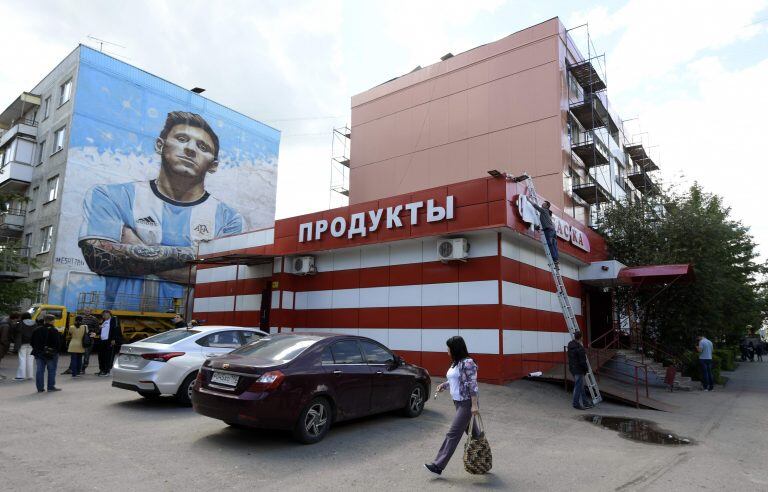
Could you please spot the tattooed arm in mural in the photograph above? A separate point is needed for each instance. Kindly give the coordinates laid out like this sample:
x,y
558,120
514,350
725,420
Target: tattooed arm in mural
x,y
136,260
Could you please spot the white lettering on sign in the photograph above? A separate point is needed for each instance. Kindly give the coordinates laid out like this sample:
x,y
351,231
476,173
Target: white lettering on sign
x,y
362,223
564,230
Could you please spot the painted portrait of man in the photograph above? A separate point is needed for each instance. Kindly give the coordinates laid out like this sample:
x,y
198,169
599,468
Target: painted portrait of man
x,y
148,230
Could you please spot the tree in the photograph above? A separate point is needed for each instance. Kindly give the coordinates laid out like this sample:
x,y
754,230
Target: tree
x,y
691,227
13,258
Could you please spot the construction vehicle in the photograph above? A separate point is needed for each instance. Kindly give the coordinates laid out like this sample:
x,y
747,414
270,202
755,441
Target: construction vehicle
x,y
139,316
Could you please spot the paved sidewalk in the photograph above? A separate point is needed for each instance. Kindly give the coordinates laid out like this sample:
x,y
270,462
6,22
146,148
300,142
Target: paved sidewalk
x,y
92,436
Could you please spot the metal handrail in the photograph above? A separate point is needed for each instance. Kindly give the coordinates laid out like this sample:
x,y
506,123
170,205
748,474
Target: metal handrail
x,y
24,121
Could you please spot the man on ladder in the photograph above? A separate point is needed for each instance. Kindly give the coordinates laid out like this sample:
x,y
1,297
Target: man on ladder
x,y
549,241
548,228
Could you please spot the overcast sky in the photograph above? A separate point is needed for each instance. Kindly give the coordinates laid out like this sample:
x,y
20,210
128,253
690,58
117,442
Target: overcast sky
x,y
694,73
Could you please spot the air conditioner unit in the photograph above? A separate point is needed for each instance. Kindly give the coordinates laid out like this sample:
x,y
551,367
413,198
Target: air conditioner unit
x,y
304,265
453,249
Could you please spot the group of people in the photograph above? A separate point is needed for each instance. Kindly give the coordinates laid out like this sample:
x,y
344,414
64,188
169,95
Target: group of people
x,y
39,343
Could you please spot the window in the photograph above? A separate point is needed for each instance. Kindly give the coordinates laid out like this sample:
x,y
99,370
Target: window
x,y
28,240
172,336
47,107
222,339
46,235
42,290
40,151
376,354
250,336
65,92
278,348
53,189
347,352
33,198
58,139
326,357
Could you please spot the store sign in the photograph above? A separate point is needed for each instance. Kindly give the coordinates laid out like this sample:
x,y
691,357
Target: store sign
x,y
360,224
565,231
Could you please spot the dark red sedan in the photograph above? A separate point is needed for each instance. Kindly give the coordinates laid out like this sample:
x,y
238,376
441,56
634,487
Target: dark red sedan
x,y
305,381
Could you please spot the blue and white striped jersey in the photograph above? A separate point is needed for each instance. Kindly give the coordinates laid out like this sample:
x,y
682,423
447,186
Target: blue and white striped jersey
x,y
158,221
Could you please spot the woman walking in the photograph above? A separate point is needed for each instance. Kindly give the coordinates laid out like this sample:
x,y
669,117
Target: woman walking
x,y
462,383
76,349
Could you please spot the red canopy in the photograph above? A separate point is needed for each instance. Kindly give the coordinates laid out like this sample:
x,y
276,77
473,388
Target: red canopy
x,y
656,274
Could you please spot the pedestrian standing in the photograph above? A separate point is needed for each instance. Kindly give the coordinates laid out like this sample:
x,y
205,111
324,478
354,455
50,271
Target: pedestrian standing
x,y
704,348
46,342
110,336
178,321
7,327
77,332
93,325
548,228
22,344
462,383
577,364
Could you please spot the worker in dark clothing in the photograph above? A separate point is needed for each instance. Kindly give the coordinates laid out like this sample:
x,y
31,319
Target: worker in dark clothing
x,y
178,321
548,228
46,342
577,364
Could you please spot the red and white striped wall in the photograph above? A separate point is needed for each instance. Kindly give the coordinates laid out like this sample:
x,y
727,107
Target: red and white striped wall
x,y
501,300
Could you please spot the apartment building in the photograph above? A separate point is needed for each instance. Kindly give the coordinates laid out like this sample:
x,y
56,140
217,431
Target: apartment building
x,y
94,152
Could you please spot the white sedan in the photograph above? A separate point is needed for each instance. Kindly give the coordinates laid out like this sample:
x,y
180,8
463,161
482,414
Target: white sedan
x,y
167,363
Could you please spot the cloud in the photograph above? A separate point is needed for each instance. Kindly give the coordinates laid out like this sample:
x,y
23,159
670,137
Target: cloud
x,y
674,64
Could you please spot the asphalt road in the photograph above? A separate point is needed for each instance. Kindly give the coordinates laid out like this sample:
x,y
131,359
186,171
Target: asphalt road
x,y
92,436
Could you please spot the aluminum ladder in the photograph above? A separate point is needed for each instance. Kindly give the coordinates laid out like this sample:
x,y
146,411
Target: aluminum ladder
x,y
562,295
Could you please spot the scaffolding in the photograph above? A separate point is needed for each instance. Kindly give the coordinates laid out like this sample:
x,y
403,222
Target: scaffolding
x,y
602,162
340,152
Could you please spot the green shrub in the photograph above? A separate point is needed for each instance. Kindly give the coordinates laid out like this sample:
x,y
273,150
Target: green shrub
x,y
692,367
727,359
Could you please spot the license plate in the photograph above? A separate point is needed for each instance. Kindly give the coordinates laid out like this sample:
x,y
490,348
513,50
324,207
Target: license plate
x,y
225,379
129,360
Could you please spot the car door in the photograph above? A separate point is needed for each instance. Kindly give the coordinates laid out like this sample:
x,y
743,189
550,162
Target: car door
x,y
219,343
350,378
390,385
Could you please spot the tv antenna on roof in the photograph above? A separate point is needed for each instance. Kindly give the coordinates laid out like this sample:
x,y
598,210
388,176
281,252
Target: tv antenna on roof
x,y
102,42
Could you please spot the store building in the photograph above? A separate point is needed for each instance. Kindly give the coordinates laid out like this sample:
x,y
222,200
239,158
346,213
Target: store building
x,y
417,177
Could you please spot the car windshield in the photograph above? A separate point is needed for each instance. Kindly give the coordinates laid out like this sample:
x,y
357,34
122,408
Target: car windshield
x,y
169,337
278,349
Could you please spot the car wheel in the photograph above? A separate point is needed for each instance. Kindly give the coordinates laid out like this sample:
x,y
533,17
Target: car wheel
x,y
314,421
184,393
415,402
149,396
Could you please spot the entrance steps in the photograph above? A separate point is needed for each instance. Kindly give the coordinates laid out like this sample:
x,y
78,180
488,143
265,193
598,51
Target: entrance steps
x,y
682,383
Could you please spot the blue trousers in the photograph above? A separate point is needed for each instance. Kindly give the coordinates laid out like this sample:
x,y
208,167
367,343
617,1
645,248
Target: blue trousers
x,y
707,379
41,365
551,236
76,363
580,396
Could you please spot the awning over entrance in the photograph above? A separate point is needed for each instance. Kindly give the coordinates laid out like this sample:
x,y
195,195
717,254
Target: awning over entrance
x,y
611,273
234,259
656,274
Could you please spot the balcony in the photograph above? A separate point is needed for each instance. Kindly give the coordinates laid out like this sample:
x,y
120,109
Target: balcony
x,y
640,157
587,77
591,191
12,222
591,150
15,177
23,104
642,182
592,113
26,128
